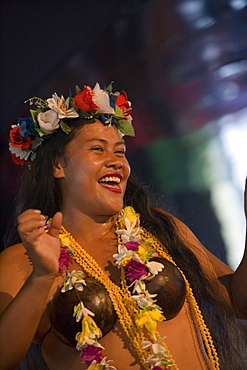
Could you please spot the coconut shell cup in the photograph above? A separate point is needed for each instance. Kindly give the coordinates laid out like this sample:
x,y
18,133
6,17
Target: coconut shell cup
x,y
94,297
170,288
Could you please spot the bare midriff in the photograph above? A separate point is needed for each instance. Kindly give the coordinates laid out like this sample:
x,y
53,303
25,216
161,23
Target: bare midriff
x,y
182,338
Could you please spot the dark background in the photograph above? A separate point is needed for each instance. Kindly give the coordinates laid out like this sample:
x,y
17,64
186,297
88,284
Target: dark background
x,y
167,55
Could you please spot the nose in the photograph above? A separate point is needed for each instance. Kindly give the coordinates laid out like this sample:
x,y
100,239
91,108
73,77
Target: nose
x,y
116,164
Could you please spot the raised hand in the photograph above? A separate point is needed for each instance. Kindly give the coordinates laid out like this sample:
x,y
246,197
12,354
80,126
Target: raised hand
x,y
42,248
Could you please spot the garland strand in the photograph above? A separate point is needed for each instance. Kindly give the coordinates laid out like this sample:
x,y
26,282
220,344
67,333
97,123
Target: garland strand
x,y
128,306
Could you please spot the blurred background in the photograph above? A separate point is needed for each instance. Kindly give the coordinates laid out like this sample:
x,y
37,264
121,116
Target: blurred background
x,y
183,64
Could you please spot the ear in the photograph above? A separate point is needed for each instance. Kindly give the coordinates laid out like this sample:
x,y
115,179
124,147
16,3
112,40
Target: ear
x,y
58,171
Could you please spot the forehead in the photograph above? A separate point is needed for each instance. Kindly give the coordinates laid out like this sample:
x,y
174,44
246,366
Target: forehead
x,y
97,130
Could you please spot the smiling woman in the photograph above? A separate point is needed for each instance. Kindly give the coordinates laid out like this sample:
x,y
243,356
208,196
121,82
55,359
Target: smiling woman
x,y
103,280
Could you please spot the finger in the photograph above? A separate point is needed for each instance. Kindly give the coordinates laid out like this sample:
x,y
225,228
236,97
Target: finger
x,y
56,224
30,238
30,225
30,215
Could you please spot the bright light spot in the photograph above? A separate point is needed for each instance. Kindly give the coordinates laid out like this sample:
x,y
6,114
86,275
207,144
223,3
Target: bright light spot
x,y
227,187
210,52
191,10
231,69
237,4
229,91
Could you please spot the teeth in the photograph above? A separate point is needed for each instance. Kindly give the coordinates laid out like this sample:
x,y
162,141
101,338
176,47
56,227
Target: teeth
x,y
109,178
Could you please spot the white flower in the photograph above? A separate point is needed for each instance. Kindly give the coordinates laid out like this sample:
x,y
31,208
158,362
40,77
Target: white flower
x,y
105,363
145,300
18,152
36,143
26,154
74,280
154,267
80,311
159,352
139,285
130,233
122,253
61,106
48,121
102,99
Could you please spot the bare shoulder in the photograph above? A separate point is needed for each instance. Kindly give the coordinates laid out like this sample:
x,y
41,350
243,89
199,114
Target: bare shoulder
x,y
15,256
15,268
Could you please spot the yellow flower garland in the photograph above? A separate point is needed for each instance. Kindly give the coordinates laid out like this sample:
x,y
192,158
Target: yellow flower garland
x,y
129,315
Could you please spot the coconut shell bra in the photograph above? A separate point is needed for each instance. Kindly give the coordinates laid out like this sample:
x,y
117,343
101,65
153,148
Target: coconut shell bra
x,y
168,284
152,289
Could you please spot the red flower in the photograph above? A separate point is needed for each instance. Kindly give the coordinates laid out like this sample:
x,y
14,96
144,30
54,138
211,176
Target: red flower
x,y
124,105
84,100
18,141
17,160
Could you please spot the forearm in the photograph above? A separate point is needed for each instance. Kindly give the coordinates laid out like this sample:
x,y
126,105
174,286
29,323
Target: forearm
x,y
20,319
239,287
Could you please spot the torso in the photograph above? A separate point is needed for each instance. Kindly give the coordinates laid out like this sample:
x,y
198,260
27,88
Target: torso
x,y
181,332
182,338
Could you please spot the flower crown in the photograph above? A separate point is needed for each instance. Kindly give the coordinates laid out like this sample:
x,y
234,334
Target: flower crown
x,y
90,104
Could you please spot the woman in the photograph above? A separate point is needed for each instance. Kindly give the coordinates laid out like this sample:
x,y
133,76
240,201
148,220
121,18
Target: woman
x,y
92,282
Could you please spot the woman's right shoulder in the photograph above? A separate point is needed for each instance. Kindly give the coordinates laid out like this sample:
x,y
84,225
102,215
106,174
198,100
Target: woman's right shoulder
x,y
16,250
15,259
15,268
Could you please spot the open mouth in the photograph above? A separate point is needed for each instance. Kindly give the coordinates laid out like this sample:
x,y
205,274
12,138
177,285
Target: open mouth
x,y
111,183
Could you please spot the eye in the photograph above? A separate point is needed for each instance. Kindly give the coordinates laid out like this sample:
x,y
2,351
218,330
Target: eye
x,y
97,148
121,151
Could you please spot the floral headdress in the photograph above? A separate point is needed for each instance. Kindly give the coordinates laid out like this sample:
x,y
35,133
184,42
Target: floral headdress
x,y
90,104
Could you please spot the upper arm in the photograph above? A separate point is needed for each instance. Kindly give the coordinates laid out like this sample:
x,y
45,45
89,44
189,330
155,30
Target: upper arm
x,y
15,269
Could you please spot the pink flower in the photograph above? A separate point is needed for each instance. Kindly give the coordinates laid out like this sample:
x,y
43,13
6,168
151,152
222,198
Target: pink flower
x,y
135,270
132,246
65,258
91,353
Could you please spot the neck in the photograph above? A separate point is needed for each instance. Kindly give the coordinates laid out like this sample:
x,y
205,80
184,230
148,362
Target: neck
x,y
87,227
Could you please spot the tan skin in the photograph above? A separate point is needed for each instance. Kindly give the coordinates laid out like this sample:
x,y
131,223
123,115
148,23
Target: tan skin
x,y
30,274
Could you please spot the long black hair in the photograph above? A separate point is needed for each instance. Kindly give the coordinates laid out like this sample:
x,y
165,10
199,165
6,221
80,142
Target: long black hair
x,y
40,190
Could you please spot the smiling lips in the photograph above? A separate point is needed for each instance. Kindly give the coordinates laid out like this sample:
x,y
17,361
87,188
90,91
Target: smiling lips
x,y
111,182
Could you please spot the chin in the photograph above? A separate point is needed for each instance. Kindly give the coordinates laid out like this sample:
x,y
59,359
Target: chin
x,y
114,208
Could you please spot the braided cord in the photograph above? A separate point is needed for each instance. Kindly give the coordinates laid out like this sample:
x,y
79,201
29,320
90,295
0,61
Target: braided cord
x,y
122,302
205,333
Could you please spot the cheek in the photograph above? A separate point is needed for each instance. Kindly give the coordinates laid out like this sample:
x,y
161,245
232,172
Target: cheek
x,y
127,169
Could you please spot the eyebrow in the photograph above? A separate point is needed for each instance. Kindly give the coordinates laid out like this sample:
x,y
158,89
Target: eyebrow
x,y
103,141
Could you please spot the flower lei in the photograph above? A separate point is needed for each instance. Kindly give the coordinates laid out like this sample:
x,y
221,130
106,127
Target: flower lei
x,y
134,257
90,104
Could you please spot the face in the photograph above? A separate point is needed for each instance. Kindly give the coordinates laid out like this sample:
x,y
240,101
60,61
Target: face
x,y
95,174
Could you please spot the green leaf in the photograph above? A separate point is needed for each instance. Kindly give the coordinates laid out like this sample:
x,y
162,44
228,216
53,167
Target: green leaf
x,y
119,112
82,113
125,127
40,132
72,103
65,127
109,87
34,114
77,90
